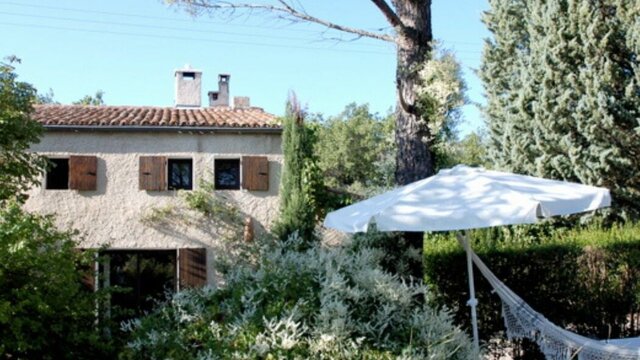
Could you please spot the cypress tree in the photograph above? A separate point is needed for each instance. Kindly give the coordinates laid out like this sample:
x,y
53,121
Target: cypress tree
x,y
563,92
300,177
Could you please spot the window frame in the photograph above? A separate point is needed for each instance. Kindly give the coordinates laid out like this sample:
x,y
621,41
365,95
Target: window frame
x,y
171,160
47,183
215,173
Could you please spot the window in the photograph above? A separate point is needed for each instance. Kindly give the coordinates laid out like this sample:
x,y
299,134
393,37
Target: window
x,y
143,277
180,174
58,175
227,174
75,173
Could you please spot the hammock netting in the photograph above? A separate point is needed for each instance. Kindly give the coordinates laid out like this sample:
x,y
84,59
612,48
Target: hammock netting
x,y
555,342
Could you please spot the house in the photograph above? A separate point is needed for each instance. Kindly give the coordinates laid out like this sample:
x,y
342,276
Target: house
x,y
114,164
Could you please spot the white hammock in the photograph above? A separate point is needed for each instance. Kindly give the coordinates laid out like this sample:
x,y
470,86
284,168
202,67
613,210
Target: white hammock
x,y
555,343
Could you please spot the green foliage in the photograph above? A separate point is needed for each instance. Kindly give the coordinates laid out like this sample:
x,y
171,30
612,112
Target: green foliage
x,y
200,204
45,313
318,303
96,100
471,150
357,149
47,98
212,214
19,169
587,280
353,146
563,91
440,95
301,181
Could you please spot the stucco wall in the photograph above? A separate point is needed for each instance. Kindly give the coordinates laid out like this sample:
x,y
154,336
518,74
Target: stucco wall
x,y
111,214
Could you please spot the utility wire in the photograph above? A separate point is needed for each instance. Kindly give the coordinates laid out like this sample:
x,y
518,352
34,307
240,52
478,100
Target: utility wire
x,y
280,28
87,11
379,46
165,37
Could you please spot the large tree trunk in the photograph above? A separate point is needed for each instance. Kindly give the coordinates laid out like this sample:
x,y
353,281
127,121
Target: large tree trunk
x,y
414,159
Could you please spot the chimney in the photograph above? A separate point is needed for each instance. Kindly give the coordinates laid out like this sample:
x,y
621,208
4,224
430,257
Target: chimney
x,y
188,88
220,97
241,102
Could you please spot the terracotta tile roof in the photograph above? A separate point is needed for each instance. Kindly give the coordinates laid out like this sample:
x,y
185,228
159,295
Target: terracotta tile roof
x,y
223,117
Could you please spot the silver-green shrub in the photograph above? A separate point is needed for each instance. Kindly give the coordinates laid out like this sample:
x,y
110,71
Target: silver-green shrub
x,y
322,302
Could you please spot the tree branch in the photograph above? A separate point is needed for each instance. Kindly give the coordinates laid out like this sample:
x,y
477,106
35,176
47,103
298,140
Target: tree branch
x,y
388,12
292,13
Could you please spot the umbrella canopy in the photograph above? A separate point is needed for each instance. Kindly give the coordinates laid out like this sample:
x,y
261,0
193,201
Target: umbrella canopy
x,y
468,198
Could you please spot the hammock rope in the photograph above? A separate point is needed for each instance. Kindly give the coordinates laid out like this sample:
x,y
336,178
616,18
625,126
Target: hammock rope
x,y
556,343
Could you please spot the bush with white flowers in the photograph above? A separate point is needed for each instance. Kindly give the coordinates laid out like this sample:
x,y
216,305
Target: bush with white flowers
x,y
299,302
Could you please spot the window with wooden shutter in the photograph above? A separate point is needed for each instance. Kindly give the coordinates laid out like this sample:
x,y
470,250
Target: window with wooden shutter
x,y
58,175
83,171
193,267
255,173
153,173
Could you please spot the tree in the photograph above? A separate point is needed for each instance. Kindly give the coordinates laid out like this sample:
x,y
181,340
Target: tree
x,y
300,177
440,96
353,147
96,100
19,169
564,93
46,98
411,24
44,311
471,150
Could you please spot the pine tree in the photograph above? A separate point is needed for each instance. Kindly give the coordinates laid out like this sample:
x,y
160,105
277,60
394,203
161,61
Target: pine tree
x,y
563,92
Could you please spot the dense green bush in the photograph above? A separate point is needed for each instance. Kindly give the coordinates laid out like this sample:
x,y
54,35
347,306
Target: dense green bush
x,y
322,302
587,280
45,313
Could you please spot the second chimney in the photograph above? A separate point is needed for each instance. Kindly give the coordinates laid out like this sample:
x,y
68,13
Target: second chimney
x,y
220,97
241,102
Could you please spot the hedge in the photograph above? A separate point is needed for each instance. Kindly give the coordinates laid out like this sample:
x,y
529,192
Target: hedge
x,y
586,280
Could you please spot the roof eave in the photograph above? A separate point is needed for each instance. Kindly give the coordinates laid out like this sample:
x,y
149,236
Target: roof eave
x,y
179,129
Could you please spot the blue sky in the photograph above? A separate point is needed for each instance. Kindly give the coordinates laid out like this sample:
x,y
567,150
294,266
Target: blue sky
x,y
129,49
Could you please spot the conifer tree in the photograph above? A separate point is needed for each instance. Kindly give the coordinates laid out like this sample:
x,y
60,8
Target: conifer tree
x,y
300,177
563,92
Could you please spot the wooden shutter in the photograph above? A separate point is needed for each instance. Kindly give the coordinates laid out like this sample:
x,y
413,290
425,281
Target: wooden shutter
x,y
193,267
153,173
87,273
255,173
83,172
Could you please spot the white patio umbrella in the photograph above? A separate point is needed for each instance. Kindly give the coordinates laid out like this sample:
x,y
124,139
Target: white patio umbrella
x,y
468,198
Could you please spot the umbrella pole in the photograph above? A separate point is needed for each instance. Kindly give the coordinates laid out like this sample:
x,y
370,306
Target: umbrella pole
x,y
473,302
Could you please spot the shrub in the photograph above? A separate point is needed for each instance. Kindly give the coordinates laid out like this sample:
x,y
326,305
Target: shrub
x,y
44,311
587,280
321,302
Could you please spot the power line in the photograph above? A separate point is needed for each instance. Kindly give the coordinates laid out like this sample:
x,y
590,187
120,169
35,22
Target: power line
x,y
87,11
168,28
165,37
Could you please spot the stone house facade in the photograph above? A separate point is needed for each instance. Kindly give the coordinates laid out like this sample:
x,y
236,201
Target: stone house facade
x,y
114,164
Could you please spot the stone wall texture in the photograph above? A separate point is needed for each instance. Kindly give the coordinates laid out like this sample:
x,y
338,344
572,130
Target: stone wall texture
x,y
111,215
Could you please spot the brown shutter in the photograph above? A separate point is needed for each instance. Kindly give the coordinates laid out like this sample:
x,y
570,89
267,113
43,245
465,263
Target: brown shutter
x,y
153,173
87,273
193,267
83,172
255,173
